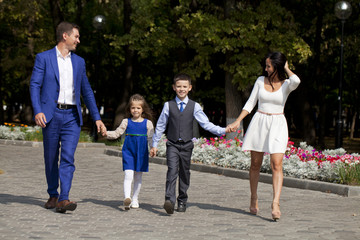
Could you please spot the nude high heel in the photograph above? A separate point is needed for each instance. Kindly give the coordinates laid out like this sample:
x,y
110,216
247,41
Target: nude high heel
x,y
275,214
254,202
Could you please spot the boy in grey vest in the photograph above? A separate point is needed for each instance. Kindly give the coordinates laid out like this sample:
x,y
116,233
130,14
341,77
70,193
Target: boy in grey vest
x,y
177,116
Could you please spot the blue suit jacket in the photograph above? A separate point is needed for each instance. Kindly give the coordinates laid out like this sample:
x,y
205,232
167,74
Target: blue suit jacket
x,y
44,85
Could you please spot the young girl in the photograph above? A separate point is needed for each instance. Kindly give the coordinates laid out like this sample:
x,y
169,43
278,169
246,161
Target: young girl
x,y
139,130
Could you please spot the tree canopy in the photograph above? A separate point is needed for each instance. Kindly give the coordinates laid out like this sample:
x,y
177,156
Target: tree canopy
x,y
220,44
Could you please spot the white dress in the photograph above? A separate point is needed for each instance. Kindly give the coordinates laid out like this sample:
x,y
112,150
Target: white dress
x,y
268,133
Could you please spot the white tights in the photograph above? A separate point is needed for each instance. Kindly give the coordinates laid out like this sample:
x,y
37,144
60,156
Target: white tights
x,y
129,176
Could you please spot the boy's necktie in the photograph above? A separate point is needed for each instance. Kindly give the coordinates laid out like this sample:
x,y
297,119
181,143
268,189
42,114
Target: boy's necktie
x,y
182,106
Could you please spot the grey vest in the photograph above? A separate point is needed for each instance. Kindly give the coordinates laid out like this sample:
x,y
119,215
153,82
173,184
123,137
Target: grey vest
x,y
180,124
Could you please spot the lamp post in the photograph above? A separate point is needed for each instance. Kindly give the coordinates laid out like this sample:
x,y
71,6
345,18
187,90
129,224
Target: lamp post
x,y
98,23
342,11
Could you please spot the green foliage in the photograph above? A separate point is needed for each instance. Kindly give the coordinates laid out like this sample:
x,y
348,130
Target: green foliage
x,y
204,38
85,137
350,174
34,136
159,32
156,90
22,28
38,137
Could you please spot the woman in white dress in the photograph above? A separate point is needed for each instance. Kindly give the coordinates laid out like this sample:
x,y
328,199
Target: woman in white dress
x,y
268,130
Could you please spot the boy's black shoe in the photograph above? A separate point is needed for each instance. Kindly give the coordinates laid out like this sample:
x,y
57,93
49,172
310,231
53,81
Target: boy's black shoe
x,y
181,207
169,207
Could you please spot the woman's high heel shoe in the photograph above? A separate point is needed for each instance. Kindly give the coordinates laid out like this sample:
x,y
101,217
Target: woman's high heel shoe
x,y
254,202
275,214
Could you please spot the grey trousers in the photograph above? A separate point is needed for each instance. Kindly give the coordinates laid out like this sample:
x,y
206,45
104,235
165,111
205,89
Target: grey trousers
x,y
178,157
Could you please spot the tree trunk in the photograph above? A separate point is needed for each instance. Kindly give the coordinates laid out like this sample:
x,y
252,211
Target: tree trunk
x,y
56,13
352,129
79,11
26,112
129,55
318,76
309,134
233,101
2,116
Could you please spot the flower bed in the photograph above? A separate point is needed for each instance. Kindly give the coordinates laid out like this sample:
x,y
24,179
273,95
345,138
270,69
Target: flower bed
x,y
300,162
17,132
23,132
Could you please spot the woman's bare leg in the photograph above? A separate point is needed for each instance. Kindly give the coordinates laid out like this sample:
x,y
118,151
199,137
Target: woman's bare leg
x,y
277,177
254,174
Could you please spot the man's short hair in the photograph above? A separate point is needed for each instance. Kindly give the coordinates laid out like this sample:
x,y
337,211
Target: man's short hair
x,y
64,27
182,76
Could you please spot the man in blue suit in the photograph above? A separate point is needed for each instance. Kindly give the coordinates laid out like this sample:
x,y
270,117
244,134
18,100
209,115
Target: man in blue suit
x,y
58,80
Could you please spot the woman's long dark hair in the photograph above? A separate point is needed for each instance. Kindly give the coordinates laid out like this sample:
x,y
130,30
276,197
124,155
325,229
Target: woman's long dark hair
x,y
278,61
147,113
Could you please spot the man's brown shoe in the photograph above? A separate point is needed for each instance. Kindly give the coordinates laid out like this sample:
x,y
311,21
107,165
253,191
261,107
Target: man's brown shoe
x,y
51,203
65,205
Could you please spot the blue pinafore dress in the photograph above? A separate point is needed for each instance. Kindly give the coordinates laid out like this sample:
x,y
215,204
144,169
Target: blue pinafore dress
x,y
135,152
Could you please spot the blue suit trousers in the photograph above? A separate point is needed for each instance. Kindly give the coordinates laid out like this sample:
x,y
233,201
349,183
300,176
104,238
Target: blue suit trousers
x,y
61,135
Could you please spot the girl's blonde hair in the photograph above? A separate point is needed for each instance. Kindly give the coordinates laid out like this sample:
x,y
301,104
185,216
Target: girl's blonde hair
x,y
147,113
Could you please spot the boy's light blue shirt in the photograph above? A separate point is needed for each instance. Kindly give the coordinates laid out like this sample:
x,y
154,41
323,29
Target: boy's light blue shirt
x,y
199,116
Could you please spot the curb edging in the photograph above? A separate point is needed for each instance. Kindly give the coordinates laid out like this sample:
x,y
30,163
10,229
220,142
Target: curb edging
x,y
343,190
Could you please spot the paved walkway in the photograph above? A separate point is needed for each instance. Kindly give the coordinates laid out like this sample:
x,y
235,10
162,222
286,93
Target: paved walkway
x,y
217,207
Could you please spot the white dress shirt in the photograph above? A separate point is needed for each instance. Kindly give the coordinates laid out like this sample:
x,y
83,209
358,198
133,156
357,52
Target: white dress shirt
x,y
66,79
199,116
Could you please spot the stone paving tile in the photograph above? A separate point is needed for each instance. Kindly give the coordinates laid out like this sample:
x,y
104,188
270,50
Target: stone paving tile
x,y
217,207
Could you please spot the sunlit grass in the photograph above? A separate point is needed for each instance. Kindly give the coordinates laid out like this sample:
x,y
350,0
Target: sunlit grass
x,y
350,174
34,136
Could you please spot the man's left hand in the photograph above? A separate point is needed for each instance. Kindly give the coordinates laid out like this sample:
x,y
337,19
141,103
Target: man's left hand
x,y
100,127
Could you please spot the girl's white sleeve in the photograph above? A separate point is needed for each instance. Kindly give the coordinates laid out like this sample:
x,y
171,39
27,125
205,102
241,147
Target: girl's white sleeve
x,y
253,99
150,132
111,135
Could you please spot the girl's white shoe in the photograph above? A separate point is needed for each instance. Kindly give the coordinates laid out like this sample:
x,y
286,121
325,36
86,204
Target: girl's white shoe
x,y
135,204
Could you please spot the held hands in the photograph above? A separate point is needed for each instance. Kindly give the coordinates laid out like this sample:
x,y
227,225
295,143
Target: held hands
x,y
236,124
153,151
232,127
104,133
228,129
101,128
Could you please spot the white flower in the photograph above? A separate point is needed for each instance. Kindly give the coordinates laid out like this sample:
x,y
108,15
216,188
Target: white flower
x,y
233,157
14,133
